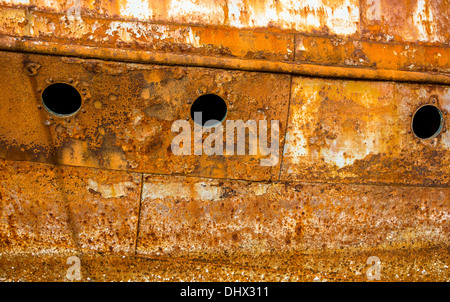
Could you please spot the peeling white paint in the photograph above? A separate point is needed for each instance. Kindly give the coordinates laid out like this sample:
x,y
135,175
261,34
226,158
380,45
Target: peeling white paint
x,y
344,19
341,17
423,19
137,9
300,46
446,100
193,39
346,154
260,189
200,190
296,144
129,31
234,12
445,140
301,15
110,191
194,11
205,191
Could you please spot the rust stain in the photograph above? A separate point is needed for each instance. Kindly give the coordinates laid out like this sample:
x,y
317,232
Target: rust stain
x,y
417,21
185,214
343,77
428,263
143,35
360,132
128,127
286,231
44,205
345,52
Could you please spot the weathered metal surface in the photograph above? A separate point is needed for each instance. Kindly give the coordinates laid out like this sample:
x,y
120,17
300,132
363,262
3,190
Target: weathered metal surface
x,y
360,132
339,130
48,27
163,58
379,20
352,180
339,17
418,21
127,114
206,218
385,56
428,263
263,42
45,208
216,230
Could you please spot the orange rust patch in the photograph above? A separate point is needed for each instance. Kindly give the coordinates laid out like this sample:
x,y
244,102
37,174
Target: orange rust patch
x,y
127,113
62,209
186,215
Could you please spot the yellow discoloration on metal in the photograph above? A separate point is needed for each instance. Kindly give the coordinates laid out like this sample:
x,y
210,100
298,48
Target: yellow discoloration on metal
x,y
355,53
140,56
360,132
262,48
344,79
143,35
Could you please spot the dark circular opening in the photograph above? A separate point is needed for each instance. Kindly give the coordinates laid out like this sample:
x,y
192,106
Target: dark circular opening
x,y
61,99
427,122
213,110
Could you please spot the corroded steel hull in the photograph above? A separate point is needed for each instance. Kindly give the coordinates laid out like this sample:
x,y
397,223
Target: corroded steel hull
x,y
353,178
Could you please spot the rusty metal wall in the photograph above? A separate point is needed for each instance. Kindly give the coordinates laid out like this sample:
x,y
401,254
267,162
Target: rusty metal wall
x,y
383,38
344,79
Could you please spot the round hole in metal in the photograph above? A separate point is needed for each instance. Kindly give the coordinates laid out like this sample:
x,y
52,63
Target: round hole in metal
x,y
61,99
427,122
208,110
